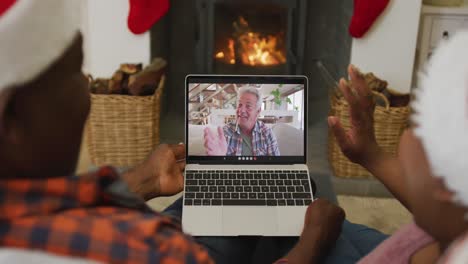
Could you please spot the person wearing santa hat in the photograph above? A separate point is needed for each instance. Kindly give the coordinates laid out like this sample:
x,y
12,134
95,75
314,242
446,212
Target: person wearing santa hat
x,y
100,216
429,174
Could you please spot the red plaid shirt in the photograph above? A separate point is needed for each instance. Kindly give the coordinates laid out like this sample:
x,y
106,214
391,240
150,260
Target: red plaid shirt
x,y
93,216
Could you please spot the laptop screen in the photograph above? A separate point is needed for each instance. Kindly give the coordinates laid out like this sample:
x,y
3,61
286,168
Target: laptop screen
x,y
246,119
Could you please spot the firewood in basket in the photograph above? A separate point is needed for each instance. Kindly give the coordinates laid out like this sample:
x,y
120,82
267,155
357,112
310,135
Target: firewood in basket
x,y
397,99
115,83
156,65
131,68
99,86
375,83
146,81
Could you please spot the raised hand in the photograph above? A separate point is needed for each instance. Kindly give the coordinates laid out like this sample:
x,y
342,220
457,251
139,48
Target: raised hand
x,y
358,144
215,143
161,174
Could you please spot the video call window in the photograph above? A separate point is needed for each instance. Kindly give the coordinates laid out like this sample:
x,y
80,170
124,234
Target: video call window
x,y
245,119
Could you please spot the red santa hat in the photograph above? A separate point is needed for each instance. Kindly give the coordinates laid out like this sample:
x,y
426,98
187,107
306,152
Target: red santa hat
x,y
34,34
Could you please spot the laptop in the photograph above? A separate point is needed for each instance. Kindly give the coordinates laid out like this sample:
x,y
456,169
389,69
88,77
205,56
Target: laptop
x,y
246,140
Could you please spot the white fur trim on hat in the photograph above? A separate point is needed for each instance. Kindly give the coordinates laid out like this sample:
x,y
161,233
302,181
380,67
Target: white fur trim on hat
x,y
34,34
441,108
457,253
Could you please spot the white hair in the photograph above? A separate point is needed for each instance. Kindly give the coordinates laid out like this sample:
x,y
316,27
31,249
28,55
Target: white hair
x,y
251,90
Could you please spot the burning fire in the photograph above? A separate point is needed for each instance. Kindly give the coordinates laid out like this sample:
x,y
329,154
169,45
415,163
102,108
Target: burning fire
x,y
231,58
252,48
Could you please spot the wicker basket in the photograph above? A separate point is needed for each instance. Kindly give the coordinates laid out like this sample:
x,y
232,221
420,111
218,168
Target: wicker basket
x,y
389,124
122,130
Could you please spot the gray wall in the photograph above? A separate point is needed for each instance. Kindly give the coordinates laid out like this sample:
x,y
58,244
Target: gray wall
x,y
328,40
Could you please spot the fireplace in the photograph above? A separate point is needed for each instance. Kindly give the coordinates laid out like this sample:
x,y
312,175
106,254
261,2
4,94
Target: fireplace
x,y
250,37
193,33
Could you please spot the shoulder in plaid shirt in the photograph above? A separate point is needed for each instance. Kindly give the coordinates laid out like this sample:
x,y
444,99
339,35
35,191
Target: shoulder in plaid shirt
x,y
263,140
93,216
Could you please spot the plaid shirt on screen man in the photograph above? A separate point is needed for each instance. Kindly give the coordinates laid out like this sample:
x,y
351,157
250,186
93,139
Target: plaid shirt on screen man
x,y
263,140
93,216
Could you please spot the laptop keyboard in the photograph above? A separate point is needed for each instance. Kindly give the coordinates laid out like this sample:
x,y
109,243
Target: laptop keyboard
x,y
260,188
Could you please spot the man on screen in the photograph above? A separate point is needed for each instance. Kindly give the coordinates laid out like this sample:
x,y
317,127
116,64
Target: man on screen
x,y
246,136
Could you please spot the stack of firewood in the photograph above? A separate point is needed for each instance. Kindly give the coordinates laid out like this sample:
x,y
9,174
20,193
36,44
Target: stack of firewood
x,y
131,79
395,98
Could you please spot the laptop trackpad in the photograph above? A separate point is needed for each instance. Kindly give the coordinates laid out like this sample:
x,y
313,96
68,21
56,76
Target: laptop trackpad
x,y
248,221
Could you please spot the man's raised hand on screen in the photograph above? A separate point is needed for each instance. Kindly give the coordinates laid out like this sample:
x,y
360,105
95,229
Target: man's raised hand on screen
x,y
215,143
